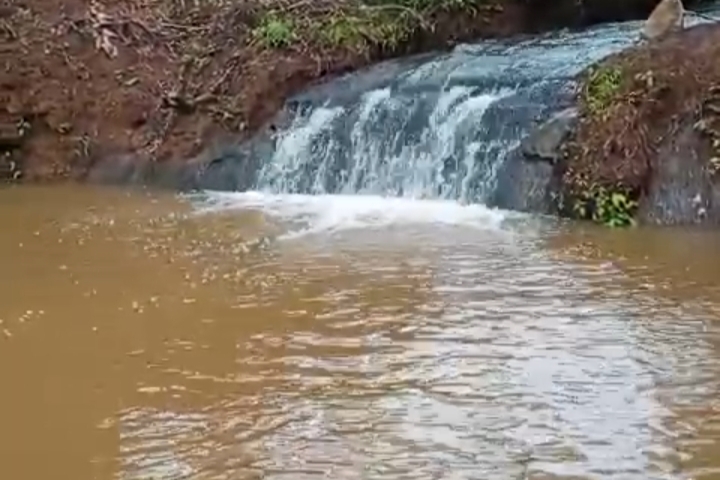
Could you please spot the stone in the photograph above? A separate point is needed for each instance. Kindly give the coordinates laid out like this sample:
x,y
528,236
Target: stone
x,y
10,137
545,142
667,17
682,189
10,166
117,169
524,186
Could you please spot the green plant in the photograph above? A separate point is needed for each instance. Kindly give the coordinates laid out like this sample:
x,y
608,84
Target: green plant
x,y
386,23
275,31
368,26
343,31
391,30
606,207
602,85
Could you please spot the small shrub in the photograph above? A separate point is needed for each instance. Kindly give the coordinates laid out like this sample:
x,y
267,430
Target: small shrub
x,y
390,30
368,27
343,31
606,207
386,23
602,86
275,31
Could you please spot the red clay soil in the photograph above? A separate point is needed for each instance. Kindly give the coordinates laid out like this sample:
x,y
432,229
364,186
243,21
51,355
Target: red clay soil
x,y
160,79
162,85
663,85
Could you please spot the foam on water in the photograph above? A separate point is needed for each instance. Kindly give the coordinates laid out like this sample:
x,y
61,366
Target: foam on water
x,y
422,152
379,188
317,214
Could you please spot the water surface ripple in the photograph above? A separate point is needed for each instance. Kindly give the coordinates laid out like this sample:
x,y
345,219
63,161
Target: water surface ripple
x,y
422,349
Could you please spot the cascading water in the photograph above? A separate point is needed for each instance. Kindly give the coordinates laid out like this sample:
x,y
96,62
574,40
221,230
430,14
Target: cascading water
x,y
438,129
441,127
376,156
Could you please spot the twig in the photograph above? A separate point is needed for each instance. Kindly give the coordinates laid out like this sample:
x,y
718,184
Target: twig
x,y
191,28
12,34
229,67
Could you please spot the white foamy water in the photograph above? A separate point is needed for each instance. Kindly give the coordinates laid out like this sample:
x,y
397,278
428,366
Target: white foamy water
x,y
314,214
382,153
380,188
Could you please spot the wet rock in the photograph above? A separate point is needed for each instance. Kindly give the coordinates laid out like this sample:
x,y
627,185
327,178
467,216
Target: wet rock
x,y
682,190
120,169
10,166
11,141
524,186
224,167
11,137
545,142
126,169
525,181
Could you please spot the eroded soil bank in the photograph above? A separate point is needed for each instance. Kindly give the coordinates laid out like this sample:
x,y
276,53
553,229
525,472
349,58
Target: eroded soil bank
x,y
647,143
157,80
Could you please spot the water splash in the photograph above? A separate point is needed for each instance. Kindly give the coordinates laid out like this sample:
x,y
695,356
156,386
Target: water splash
x,y
379,157
422,144
306,214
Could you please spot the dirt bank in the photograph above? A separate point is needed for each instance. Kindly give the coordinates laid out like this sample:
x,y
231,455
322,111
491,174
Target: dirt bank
x,y
649,133
158,79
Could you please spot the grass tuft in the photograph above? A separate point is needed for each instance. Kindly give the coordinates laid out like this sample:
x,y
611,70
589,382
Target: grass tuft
x,y
275,30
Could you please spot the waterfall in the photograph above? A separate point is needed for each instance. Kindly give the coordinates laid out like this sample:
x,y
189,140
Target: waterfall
x,y
377,159
360,150
433,127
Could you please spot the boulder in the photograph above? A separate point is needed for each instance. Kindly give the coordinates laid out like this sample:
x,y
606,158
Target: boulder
x,y
650,130
524,186
545,142
10,166
227,166
11,142
666,18
684,189
11,138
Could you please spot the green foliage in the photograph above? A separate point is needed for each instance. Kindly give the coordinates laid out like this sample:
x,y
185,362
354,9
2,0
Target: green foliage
x,y
275,31
390,30
606,207
368,27
343,31
356,24
601,87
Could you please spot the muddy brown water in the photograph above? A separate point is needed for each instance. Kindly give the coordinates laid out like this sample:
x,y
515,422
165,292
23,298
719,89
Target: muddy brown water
x,y
142,340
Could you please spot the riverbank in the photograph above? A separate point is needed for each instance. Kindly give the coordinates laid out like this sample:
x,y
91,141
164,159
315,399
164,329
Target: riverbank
x,y
158,81
647,143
